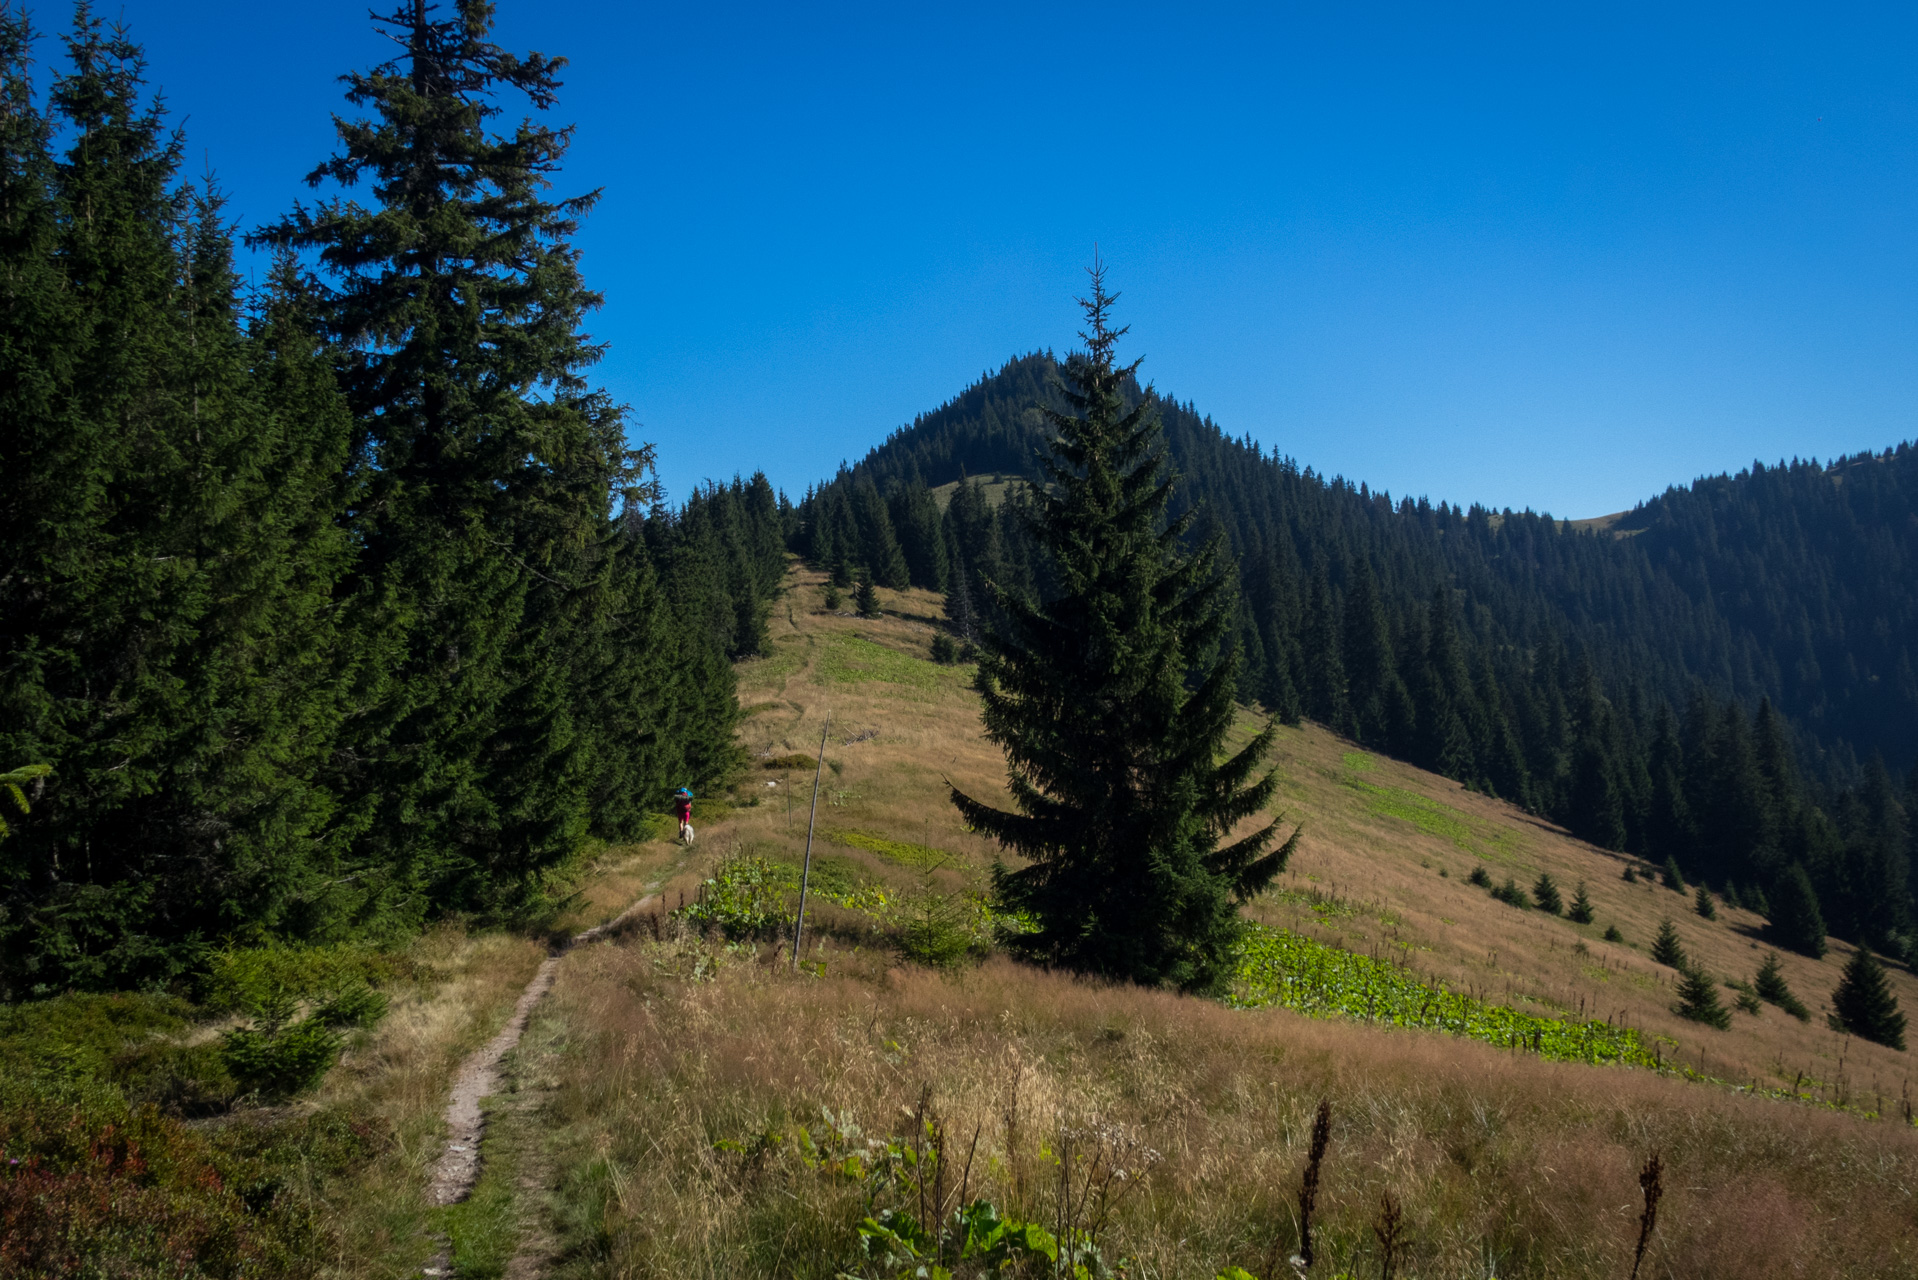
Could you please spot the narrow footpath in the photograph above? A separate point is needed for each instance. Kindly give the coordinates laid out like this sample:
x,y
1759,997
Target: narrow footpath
x,y
458,1169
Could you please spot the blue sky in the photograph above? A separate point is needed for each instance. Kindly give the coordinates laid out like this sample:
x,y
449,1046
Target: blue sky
x,y
1536,256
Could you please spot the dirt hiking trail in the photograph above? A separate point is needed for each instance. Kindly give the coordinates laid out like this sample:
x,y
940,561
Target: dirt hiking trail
x,y
458,1168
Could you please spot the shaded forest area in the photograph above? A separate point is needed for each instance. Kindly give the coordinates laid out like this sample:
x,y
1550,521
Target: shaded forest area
x,y
1722,680
339,604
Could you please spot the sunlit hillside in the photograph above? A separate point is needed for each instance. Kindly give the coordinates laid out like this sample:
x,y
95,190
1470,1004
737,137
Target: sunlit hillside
x,y
681,1080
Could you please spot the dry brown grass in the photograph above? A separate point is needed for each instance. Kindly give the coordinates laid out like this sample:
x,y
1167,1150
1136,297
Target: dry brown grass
x,y
1385,868
1504,1165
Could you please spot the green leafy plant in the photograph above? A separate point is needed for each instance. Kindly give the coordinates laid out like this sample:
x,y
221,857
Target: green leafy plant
x,y
280,1062
744,898
1286,969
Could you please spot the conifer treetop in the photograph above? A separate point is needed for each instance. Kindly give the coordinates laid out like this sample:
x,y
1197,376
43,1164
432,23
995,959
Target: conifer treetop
x,y
1112,700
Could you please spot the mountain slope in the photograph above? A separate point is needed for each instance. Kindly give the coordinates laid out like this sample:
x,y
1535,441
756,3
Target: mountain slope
x,y
682,1071
1798,583
1623,676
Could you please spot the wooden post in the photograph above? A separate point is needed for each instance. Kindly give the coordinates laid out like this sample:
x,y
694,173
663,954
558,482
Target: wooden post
x,y
805,872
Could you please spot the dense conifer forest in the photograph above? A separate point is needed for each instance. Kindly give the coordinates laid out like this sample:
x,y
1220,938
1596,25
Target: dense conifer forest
x,y
341,603
1722,677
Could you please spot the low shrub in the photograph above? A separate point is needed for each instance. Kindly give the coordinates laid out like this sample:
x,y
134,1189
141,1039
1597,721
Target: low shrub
x,y
940,932
90,1185
278,1063
1510,894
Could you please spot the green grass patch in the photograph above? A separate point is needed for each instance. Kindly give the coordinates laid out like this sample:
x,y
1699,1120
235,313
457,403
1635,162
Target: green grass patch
x,y
483,1229
919,856
788,655
1432,818
1324,906
1294,972
1359,761
853,659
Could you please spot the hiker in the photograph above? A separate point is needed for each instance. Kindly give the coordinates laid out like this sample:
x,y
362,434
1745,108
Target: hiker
x,y
683,810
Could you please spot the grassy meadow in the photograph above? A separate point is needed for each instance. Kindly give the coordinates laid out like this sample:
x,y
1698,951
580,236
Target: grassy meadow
x,y
686,1104
702,1110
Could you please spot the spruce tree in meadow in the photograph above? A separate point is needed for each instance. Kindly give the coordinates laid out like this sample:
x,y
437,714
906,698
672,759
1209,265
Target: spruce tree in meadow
x,y
1698,1000
488,469
1864,1005
1112,699
1545,893
1771,987
1580,912
1795,922
867,601
1666,948
1703,905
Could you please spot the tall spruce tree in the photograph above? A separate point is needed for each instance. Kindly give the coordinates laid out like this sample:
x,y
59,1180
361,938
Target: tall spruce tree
x,y
169,555
1864,1005
488,467
1111,700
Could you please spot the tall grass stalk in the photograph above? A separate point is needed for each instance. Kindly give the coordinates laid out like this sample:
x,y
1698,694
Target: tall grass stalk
x,y
1651,1182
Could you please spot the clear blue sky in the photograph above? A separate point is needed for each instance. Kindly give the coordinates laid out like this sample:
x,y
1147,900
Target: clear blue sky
x,y
1525,256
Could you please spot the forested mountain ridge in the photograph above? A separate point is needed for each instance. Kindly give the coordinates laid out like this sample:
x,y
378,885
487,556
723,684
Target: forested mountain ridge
x,y
1627,682
1797,582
